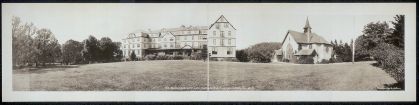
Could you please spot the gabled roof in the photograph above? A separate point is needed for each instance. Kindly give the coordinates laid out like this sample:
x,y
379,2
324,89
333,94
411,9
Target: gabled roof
x,y
166,33
306,52
302,38
222,19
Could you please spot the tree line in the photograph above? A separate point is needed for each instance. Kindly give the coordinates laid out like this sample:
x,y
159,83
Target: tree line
x,y
39,47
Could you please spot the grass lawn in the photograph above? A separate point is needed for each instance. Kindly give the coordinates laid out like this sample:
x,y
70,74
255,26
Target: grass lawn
x,y
192,75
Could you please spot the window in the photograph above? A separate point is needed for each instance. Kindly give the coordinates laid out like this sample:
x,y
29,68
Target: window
x,y
226,25
214,51
229,51
165,45
214,41
229,33
222,33
217,26
309,46
171,45
229,41
171,39
214,33
222,42
138,45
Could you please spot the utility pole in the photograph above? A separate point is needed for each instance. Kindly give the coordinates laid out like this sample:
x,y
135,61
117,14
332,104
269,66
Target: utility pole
x,y
353,51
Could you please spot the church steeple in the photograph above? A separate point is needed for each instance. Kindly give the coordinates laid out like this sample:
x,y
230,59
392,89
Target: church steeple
x,y
307,28
307,31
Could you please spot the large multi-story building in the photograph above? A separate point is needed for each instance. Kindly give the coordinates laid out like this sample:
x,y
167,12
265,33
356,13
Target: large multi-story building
x,y
183,40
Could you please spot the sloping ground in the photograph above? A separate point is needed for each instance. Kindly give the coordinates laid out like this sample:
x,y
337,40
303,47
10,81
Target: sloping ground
x,y
283,76
192,75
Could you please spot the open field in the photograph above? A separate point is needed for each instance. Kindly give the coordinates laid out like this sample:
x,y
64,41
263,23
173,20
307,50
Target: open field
x,y
192,75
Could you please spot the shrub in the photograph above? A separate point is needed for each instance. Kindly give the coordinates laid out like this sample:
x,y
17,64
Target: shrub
x,y
178,57
305,60
242,56
334,60
150,57
196,56
324,61
391,59
161,57
262,52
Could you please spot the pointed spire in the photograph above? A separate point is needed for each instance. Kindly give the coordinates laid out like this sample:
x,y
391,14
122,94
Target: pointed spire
x,y
307,27
307,24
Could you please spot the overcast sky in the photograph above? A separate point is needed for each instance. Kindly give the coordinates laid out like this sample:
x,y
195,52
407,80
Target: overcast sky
x,y
255,23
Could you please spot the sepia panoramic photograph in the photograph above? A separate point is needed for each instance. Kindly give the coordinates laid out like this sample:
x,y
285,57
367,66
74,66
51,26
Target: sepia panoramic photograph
x,y
204,47
128,48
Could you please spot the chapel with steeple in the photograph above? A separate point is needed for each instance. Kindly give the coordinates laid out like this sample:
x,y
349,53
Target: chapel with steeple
x,y
305,47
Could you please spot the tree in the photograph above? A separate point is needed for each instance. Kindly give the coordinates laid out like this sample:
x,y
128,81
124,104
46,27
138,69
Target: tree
x,y
118,54
72,52
373,34
90,52
107,49
262,52
133,57
204,53
397,37
385,45
49,50
22,42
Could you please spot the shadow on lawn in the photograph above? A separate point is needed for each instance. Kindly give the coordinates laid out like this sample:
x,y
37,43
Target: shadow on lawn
x,y
42,69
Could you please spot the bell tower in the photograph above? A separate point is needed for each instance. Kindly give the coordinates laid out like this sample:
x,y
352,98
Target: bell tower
x,y
307,30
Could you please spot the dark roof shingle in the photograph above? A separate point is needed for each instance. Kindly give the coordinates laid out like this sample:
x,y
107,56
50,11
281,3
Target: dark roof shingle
x,y
302,38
